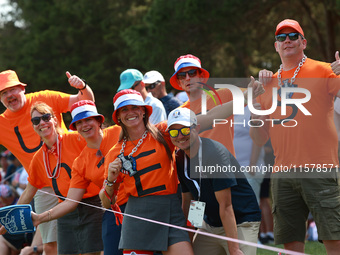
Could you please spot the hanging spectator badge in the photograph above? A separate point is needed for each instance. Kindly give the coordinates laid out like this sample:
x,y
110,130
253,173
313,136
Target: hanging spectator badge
x,y
196,213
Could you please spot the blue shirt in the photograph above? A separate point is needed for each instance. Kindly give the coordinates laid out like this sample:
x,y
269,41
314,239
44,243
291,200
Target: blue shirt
x,y
170,103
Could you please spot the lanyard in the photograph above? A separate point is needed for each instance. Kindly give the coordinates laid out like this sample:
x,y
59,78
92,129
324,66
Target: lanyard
x,y
197,185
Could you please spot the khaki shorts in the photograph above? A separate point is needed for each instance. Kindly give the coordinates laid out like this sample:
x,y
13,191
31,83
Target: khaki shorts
x,y
42,203
247,231
294,197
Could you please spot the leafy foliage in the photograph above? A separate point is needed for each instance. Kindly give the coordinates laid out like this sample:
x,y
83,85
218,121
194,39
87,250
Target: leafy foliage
x,y
97,40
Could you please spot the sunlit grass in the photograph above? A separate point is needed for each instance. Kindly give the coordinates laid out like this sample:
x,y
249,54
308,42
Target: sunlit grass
x,y
313,248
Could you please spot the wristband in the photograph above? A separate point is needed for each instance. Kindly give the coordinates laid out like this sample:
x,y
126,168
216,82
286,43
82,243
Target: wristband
x,y
108,183
255,123
83,87
49,215
35,249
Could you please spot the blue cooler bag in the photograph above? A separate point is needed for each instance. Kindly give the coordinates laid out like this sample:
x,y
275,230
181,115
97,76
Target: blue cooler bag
x,y
17,219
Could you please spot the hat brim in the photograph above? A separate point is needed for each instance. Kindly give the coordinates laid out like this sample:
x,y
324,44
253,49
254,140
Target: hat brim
x,y
12,84
126,85
300,31
84,115
130,102
183,122
174,81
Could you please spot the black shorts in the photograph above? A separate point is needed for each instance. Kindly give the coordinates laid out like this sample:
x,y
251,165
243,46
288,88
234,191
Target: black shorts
x,y
19,241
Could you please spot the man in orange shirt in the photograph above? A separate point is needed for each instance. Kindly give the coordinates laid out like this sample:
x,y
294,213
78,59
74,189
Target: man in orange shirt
x,y
17,133
305,174
190,77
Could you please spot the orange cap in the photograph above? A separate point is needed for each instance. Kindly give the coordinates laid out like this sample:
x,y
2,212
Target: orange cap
x,y
9,79
289,23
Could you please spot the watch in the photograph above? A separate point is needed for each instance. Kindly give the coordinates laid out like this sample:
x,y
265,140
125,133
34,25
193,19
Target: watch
x,y
35,249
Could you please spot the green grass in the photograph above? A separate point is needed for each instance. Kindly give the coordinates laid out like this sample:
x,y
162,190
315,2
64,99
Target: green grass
x,y
313,248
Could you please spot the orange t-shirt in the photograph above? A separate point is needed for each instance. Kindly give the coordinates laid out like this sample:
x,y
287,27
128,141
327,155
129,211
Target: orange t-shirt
x,y
71,146
16,131
156,174
220,133
89,169
314,139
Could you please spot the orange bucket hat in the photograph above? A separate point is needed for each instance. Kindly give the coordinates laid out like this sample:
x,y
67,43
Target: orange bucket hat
x,y
9,79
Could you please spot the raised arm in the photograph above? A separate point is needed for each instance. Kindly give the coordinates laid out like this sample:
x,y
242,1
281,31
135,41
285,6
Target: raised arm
x,y
113,173
226,110
259,131
336,64
84,90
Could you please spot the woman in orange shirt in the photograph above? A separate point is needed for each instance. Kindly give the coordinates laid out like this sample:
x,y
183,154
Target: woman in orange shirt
x,y
51,166
88,171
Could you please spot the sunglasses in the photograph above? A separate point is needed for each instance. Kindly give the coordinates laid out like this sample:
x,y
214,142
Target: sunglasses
x,y
46,117
292,37
135,85
152,85
183,75
184,131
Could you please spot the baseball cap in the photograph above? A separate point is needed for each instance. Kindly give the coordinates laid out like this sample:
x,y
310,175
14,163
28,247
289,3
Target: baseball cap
x,y
9,79
182,116
128,78
186,61
153,76
128,97
289,23
83,109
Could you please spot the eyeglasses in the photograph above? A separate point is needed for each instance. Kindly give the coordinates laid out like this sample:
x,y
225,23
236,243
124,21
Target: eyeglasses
x,y
152,85
183,75
46,117
292,37
135,84
184,131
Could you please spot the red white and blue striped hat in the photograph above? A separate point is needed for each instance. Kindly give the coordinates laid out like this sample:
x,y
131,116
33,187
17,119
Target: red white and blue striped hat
x,y
82,110
128,97
186,61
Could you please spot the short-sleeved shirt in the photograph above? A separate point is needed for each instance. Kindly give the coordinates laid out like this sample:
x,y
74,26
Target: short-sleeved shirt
x,y
244,202
156,174
71,146
314,139
88,168
16,131
158,111
170,103
221,133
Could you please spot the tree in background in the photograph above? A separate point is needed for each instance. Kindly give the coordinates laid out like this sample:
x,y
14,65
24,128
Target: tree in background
x,y
97,40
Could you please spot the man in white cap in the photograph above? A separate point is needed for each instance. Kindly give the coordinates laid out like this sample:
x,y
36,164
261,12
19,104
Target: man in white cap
x,y
155,83
18,135
230,206
190,77
305,147
133,79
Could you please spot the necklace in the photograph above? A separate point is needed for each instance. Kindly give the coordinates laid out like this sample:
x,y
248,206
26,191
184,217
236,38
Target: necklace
x,y
129,165
55,174
279,72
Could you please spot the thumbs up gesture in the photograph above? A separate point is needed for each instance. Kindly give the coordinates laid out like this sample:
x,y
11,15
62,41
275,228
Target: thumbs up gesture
x,y
75,81
336,64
